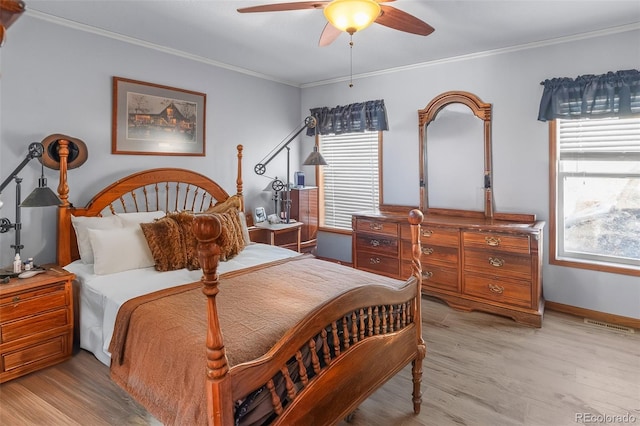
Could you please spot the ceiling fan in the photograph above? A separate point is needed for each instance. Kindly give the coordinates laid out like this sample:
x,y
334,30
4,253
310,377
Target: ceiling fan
x,y
351,16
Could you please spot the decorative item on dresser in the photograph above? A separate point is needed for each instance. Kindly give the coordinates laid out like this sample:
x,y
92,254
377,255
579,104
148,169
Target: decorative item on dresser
x,y
36,322
472,259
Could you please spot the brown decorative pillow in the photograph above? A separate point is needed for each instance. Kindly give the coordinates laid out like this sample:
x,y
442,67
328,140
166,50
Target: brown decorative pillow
x,y
231,240
233,202
166,243
185,222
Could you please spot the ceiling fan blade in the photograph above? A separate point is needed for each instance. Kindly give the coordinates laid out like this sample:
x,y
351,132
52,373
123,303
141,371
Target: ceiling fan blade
x,y
399,20
279,7
329,35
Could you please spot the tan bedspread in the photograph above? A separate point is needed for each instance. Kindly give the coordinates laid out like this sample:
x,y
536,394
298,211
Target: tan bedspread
x,y
158,346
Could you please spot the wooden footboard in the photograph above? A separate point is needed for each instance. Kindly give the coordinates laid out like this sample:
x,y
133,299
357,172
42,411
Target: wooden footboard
x,y
323,368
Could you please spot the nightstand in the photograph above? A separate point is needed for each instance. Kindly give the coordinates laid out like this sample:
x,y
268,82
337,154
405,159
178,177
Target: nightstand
x,y
275,229
36,322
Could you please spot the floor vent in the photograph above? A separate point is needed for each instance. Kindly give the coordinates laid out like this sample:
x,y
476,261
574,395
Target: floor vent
x,y
607,326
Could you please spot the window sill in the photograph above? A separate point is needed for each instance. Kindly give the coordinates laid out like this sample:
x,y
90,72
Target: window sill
x,y
601,267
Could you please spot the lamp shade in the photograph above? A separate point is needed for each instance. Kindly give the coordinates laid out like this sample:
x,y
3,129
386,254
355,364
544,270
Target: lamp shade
x,y
315,159
352,15
42,196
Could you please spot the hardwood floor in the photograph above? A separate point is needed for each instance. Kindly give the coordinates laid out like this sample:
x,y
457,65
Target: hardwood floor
x,y
480,369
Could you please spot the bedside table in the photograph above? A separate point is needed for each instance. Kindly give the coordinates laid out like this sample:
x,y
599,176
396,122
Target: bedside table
x,y
277,229
36,322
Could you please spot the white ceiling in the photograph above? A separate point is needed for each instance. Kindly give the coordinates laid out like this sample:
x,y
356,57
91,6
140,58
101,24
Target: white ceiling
x,y
283,46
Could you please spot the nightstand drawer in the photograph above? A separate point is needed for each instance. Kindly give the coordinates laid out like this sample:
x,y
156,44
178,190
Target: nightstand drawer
x,y
27,326
28,303
43,352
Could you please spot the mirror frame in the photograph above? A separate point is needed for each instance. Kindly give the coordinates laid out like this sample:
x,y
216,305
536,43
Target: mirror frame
x,y
481,110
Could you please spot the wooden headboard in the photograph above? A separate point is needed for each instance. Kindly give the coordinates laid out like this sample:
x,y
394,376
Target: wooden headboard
x,y
167,189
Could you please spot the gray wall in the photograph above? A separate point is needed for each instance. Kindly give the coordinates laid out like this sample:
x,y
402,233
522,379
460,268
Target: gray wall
x,y
57,79
510,81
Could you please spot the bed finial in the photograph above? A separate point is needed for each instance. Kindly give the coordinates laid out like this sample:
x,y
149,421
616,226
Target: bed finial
x,y
239,178
207,229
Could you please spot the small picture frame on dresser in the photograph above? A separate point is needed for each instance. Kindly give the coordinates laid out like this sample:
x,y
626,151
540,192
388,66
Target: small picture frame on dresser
x,y
259,215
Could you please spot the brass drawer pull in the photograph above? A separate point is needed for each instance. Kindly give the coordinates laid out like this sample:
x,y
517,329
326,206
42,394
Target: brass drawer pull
x,y
374,260
496,261
16,299
427,274
496,289
427,250
426,232
492,241
374,243
375,226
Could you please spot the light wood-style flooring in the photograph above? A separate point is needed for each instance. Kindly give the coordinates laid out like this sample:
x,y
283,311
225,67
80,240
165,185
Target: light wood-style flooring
x,y
480,369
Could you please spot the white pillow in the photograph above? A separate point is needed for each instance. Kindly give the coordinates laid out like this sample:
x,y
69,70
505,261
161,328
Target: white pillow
x,y
136,218
245,229
82,224
117,250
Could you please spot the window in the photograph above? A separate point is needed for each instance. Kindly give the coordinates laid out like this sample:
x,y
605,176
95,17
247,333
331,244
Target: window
x,y
595,221
350,181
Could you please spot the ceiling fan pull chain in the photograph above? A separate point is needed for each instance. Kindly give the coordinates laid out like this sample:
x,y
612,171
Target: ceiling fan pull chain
x,y
350,60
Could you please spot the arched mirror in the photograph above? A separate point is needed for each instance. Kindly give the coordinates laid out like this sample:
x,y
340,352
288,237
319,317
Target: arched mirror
x,y
455,155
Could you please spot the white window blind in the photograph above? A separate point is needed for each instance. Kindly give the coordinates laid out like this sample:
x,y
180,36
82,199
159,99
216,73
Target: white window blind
x,y
607,138
350,181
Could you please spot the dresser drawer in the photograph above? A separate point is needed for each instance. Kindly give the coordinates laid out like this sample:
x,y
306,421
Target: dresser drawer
x,y
374,262
509,292
496,263
43,353
431,254
435,276
13,330
434,235
488,240
372,226
31,302
377,243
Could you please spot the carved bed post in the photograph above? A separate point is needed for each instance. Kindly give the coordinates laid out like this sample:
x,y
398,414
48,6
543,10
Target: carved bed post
x,y
207,229
415,219
239,178
64,223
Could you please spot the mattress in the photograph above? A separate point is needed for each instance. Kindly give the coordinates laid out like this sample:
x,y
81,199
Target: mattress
x,y
101,296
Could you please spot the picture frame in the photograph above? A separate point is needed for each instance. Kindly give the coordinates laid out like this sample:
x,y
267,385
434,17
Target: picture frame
x,y
259,215
152,119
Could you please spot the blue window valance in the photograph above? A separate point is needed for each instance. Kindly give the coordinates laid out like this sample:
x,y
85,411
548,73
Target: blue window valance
x,y
358,117
614,94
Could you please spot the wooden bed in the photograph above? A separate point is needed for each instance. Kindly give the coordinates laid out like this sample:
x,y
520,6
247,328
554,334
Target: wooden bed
x,y
365,334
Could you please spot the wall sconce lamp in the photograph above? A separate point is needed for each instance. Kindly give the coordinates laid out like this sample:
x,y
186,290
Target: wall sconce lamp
x,y
40,197
10,11
278,185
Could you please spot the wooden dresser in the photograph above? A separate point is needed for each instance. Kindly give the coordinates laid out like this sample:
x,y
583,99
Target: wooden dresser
x,y
36,322
492,265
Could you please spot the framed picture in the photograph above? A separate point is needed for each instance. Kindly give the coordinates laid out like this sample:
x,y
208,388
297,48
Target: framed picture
x,y
150,119
259,215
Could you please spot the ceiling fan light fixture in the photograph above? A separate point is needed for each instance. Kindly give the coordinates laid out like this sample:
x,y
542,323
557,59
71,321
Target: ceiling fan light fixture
x,y
352,15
